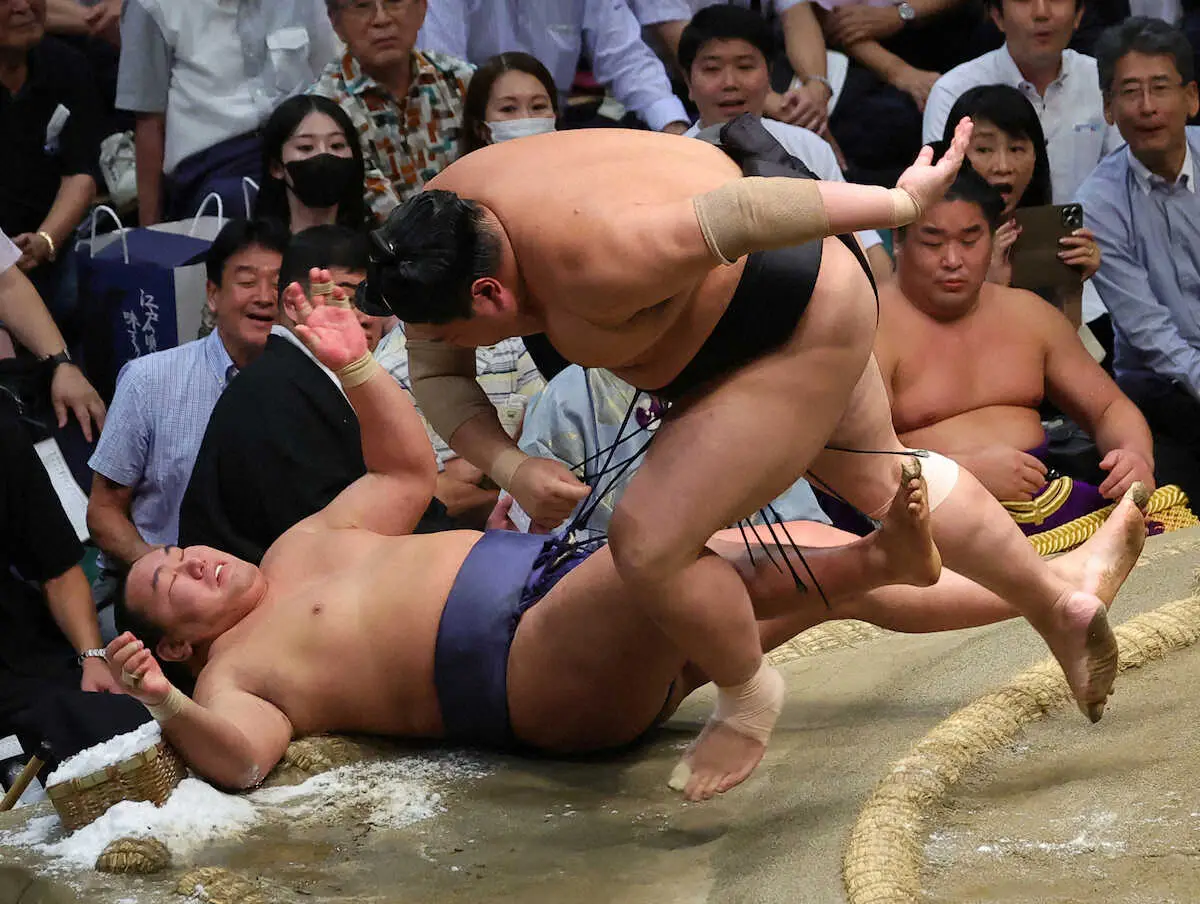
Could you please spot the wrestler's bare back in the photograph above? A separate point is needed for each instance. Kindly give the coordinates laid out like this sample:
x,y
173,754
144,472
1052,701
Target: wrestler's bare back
x,y
979,378
584,212
344,639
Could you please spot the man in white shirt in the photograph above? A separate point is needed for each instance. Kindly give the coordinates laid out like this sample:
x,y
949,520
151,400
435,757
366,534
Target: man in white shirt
x,y
202,76
1062,85
556,33
724,52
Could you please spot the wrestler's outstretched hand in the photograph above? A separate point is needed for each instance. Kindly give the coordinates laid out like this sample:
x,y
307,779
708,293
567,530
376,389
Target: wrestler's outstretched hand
x,y
328,326
547,490
927,181
136,671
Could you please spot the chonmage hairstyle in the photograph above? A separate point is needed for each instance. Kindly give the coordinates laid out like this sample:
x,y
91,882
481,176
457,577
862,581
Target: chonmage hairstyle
x,y
1010,111
272,195
479,92
426,257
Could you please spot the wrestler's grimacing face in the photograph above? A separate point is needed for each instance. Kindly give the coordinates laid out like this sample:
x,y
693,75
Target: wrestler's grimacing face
x,y
944,258
193,594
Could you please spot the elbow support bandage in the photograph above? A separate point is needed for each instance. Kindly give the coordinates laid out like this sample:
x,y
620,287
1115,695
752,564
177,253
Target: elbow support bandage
x,y
758,214
443,380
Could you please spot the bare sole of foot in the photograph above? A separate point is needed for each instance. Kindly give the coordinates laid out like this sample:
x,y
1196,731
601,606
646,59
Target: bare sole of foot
x,y
727,751
905,537
1111,553
1086,649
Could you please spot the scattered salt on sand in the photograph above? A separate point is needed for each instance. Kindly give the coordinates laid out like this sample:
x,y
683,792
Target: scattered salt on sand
x,y
385,795
114,750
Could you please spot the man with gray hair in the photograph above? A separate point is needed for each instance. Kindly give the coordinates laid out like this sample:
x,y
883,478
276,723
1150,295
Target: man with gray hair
x,y
1142,204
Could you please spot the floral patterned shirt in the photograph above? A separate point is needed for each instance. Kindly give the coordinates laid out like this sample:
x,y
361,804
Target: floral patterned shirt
x,y
405,143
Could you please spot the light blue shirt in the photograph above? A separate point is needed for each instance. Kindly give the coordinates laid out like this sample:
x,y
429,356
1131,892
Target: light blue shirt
x,y
154,427
556,31
1149,278
578,417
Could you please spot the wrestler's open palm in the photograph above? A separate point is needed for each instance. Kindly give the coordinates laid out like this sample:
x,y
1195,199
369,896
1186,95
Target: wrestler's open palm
x,y
927,181
331,330
136,671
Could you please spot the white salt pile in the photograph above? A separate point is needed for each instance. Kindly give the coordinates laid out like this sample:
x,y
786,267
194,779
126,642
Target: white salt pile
x,y
195,814
112,751
385,795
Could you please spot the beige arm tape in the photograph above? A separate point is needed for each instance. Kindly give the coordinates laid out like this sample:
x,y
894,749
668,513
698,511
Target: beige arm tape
x,y
443,381
170,707
358,372
757,214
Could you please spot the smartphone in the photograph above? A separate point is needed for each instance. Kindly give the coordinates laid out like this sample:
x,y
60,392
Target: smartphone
x,y
1034,255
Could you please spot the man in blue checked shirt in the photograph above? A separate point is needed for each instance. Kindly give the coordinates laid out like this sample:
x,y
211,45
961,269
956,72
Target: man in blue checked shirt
x,y
163,401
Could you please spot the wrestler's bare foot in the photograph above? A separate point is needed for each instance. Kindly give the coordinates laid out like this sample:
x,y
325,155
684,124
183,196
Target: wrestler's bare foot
x,y
733,742
1081,640
905,538
1101,565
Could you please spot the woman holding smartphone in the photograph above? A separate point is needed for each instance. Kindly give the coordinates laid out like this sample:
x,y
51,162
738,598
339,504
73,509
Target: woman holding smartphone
x,y
1008,148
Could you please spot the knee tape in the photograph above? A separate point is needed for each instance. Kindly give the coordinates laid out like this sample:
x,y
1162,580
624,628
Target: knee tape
x,y
940,473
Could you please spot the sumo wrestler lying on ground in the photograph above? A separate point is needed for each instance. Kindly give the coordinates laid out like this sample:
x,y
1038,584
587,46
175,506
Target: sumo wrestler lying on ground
x,y
351,624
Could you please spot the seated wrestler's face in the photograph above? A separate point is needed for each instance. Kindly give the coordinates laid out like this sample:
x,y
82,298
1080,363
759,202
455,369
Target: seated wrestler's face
x,y
727,79
22,24
943,259
193,594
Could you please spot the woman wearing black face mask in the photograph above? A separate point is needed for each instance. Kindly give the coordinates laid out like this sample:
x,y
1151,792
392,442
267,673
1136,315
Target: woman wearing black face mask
x,y
312,166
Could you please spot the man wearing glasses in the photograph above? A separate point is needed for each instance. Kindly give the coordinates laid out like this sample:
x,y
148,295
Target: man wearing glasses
x,y
406,103
1142,204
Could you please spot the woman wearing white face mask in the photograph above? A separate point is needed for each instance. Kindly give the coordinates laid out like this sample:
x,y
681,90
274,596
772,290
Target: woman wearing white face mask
x,y
511,96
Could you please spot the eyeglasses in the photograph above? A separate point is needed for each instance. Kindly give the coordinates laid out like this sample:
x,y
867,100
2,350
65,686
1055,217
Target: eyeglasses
x,y
1132,92
363,10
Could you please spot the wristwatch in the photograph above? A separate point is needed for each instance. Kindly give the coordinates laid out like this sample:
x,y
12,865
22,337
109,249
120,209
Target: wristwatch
x,y
906,11
53,362
92,654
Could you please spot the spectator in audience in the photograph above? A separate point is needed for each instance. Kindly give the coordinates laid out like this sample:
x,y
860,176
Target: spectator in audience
x,y
511,95
283,440
578,420
23,314
897,51
556,33
1008,149
1060,83
313,168
39,559
163,401
724,52
96,18
804,59
406,104
202,76
49,114
967,363
1143,206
